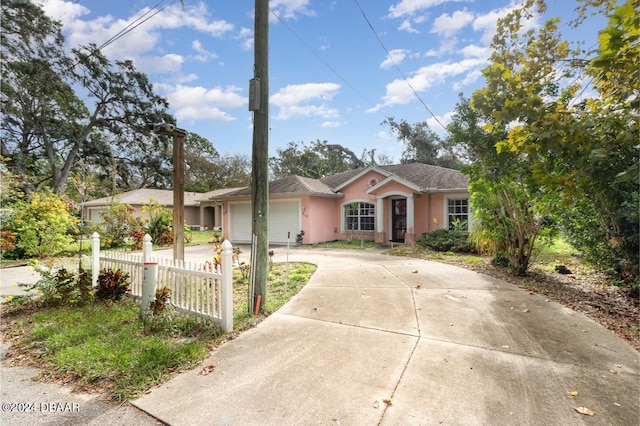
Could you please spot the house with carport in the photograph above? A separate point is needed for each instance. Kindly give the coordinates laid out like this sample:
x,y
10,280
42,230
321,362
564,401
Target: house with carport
x,y
394,203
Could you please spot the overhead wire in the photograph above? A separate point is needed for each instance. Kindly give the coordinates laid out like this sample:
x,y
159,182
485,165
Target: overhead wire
x,y
395,64
332,69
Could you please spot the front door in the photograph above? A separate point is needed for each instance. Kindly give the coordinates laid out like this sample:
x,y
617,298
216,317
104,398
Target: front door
x,y
398,220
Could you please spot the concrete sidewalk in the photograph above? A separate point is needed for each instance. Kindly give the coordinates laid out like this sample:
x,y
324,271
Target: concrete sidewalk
x,y
382,340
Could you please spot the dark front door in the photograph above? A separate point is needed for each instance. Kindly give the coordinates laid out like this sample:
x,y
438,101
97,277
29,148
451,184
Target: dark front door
x,y
398,220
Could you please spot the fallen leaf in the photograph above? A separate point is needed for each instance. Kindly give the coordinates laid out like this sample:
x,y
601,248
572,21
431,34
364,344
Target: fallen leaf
x,y
418,286
387,401
531,292
206,370
573,393
415,271
584,410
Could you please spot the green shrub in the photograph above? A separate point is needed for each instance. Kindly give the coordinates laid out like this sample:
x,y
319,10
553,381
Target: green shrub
x,y
445,240
118,222
160,225
59,286
41,224
112,284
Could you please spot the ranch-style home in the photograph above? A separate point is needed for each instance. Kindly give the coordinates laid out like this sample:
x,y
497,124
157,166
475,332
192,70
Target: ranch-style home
x,y
199,213
381,203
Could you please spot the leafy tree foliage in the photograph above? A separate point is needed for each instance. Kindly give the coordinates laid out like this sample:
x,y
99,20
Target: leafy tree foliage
x,y
423,145
582,154
59,106
317,160
208,170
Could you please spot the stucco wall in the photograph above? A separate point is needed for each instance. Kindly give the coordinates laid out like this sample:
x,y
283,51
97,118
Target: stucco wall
x,y
319,219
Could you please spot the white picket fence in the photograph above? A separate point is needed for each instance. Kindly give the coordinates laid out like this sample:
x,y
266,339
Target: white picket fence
x,y
195,287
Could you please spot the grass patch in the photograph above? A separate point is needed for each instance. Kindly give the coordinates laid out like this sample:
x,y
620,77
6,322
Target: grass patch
x,y
282,284
108,348
347,244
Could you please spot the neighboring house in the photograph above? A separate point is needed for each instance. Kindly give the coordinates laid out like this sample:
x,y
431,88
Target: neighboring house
x,y
381,203
198,215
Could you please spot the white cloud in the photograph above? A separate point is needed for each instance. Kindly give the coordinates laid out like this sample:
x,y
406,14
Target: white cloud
x,y
290,9
196,102
305,100
474,51
298,93
449,25
411,7
399,92
396,56
63,11
487,23
203,54
331,124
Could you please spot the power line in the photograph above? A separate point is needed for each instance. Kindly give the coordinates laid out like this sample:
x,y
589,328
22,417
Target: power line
x,y
397,67
333,70
136,23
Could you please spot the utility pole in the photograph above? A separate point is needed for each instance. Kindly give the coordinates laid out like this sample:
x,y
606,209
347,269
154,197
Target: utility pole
x,y
259,104
178,136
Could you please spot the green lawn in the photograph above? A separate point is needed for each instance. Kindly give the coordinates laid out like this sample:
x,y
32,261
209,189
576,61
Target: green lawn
x,y
107,347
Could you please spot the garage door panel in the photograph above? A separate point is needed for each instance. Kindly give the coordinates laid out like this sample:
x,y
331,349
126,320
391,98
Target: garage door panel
x,y
284,218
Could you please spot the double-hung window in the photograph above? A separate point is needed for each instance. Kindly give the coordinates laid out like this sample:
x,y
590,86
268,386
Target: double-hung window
x,y
458,213
359,216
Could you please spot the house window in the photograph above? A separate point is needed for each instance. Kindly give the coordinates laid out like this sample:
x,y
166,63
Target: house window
x,y
359,217
458,213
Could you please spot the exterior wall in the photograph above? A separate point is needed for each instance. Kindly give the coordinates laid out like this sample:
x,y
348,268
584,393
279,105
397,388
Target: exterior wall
x,y
320,219
192,215
356,191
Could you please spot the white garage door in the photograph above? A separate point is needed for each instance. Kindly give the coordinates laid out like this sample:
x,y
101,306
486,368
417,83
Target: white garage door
x,y
284,217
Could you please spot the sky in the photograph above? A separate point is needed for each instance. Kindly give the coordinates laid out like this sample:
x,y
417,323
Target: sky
x,y
337,69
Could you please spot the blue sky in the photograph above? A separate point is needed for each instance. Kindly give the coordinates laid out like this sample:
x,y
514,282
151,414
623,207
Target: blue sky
x,y
330,77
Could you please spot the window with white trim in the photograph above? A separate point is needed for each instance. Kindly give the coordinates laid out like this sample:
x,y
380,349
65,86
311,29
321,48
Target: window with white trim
x,y
359,216
458,213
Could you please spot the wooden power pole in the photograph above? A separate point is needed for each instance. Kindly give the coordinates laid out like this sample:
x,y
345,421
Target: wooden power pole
x,y
259,104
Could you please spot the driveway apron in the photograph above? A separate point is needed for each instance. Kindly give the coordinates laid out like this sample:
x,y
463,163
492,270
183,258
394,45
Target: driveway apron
x,y
381,340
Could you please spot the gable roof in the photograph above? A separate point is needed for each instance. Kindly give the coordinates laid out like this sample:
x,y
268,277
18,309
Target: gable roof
x,y
418,176
424,177
144,196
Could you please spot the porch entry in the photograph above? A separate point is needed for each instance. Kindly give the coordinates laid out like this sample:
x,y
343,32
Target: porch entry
x,y
398,220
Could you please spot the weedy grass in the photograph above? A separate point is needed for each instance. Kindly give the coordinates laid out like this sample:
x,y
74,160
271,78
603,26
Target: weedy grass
x,y
107,347
282,284
347,244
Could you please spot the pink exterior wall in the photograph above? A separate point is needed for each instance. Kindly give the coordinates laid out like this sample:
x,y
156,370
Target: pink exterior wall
x,y
356,191
320,218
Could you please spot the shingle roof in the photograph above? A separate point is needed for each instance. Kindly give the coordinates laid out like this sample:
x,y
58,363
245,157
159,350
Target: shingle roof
x,y
424,176
289,185
144,196
429,177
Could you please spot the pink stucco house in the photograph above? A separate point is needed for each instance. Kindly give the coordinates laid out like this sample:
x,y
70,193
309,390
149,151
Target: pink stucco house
x,y
381,203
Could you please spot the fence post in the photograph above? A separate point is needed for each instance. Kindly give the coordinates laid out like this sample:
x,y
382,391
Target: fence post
x,y
95,258
227,286
149,283
147,248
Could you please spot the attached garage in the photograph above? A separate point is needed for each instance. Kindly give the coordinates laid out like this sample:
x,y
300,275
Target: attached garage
x,y
284,218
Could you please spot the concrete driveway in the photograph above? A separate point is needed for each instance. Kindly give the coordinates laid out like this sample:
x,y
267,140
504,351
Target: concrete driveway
x,y
381,340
